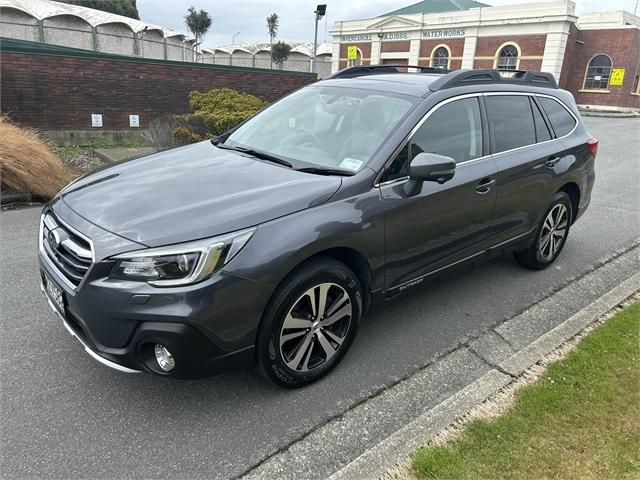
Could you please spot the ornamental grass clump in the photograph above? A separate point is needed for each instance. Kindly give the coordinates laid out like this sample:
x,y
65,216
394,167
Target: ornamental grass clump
x,y
216,111
27,163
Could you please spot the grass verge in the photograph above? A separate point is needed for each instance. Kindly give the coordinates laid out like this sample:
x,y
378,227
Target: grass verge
x,y
579,421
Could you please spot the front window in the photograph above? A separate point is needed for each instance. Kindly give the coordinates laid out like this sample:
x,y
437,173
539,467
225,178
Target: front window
x,y
325,126
440,58
598,73
453,130
508,58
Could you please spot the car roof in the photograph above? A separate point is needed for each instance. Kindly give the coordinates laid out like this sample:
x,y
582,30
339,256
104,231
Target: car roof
x,y
427,81
415,84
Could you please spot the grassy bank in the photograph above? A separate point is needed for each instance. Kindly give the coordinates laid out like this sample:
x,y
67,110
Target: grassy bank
x,y
581,420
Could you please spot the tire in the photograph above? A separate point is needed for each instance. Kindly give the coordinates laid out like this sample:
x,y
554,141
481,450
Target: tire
x,y
296,345
551,234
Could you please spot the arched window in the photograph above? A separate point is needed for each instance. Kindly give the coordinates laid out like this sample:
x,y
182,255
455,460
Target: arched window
x,y
507,58
598,73
358,61
440,57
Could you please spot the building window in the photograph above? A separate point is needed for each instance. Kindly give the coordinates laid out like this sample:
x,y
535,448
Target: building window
x,y
358,61
636,81
507,58
598,73
440,58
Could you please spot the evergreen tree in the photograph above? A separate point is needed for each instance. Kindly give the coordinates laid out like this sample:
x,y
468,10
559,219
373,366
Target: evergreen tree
x,y
126,8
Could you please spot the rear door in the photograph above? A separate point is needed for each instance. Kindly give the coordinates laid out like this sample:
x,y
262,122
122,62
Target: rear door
x,y
525,154
441,223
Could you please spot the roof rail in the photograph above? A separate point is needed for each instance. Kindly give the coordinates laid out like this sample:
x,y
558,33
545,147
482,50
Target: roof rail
x,y
364,70
461,78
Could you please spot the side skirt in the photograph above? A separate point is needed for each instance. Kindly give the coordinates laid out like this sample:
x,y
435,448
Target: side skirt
x,y
517,243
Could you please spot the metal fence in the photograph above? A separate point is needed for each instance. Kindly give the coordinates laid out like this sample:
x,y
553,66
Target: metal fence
x,y
120,40
262,60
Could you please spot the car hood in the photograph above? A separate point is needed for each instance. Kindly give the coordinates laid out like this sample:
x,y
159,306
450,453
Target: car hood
x,y
193,192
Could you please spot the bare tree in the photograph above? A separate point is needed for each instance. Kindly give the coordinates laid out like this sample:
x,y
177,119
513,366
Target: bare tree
x,y
272,25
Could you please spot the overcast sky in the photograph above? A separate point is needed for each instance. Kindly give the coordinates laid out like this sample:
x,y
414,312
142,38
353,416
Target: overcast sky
x,y
296,16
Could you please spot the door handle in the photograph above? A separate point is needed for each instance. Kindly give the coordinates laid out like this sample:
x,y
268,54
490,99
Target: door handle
x,y
485,186
552,161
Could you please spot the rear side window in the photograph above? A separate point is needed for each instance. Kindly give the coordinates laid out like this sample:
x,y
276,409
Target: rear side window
x,y
454,130
511,121
561,120
542,132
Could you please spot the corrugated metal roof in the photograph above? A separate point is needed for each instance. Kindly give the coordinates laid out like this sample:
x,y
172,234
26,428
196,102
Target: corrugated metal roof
x,y
43,9
437,6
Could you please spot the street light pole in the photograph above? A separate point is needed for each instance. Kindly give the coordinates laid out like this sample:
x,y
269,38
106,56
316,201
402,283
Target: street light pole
x,y
233,38
320,12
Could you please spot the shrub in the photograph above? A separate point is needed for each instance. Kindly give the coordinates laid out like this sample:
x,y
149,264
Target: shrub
x,y
215,112
27,164
162,131
183,136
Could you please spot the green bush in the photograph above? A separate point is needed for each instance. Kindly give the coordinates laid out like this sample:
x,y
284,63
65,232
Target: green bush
x,y
215,112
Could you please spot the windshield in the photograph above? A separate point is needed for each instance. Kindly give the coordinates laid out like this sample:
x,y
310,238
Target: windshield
x,y
325,127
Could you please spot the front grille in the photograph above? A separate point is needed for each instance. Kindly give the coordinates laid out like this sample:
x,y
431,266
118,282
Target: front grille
x,y
69,252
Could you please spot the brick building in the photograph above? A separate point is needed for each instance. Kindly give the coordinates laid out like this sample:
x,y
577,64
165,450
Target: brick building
x,y
595,56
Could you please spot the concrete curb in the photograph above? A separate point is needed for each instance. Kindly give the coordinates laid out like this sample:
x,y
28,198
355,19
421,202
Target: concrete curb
x,y
397,447
607,114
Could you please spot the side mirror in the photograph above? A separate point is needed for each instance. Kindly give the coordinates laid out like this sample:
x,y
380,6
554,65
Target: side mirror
x,y
431,167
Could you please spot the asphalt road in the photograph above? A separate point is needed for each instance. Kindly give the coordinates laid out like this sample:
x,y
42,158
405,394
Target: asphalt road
x,y
64,415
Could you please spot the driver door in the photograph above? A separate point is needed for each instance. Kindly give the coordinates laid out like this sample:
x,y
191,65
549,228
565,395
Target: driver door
x,y
439,224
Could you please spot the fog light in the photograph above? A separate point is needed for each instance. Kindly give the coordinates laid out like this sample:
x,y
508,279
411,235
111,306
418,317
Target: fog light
x,y
164,358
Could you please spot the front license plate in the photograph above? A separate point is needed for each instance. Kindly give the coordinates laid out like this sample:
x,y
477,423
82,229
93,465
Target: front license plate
x,y
54,293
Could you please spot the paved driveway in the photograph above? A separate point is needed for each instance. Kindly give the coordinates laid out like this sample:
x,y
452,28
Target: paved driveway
x,y
64,415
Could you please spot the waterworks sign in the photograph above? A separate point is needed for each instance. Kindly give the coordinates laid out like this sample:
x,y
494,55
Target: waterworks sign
x,y
449,33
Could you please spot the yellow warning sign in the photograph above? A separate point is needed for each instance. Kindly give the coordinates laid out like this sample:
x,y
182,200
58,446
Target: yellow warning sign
x,y
352,52
617,77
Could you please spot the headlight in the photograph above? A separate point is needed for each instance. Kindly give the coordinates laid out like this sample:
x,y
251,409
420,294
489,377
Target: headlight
x,y
180,264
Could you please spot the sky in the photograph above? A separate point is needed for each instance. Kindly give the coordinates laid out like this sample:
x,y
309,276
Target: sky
x,y
248,17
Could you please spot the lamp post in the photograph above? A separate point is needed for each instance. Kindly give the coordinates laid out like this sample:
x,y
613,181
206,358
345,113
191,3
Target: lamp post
x,y
320,12
233,38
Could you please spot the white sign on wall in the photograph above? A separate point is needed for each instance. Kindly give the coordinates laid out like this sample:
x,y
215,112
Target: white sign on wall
x,y
134,120
356,38
96,120
395,36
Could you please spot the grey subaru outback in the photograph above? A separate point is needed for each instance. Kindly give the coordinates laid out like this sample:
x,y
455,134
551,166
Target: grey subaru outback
x,y
267,245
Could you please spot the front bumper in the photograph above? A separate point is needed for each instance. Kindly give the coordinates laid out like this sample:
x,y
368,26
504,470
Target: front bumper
x,y
205,337
102,360
209,327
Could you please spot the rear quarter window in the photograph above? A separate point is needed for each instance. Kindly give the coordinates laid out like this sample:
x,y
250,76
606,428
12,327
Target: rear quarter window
x,y
561,120
511,121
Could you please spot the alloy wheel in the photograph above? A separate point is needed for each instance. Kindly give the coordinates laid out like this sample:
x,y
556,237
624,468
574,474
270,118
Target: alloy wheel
x,y
553,232
315,327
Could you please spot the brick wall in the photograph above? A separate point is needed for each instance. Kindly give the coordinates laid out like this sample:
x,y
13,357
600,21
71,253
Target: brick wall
x,y
456,46
569,56
60,92
530,46
623,46
397,46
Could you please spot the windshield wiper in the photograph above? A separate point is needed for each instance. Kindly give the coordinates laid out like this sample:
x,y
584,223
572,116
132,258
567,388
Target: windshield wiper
x,y
326,171
255,153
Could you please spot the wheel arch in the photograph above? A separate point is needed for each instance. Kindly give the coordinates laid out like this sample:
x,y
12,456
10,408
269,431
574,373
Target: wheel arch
x,y
573,190
352,258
